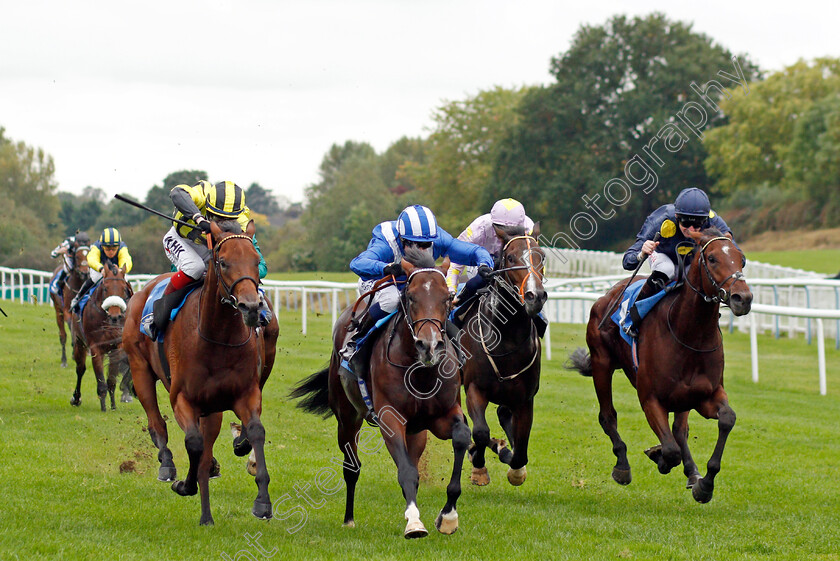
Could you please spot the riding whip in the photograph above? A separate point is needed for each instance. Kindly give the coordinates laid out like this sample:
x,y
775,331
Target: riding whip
x,y
620,296
153,211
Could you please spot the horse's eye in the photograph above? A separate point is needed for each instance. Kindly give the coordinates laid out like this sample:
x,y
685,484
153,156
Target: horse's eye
x,y
223,264
712,259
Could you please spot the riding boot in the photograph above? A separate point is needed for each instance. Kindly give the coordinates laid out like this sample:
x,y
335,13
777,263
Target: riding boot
x,y
465,296
351,359
454,334
265,311
74,304
61,281
654,283
162,308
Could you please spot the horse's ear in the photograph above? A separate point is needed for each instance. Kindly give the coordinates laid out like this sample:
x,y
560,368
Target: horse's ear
x,y
535,231
697,236
444,266
500,232
124,269
251,229
407,267
215,231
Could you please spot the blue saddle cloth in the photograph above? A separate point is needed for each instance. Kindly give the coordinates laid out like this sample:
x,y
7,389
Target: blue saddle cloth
x,y
368,337
146,320
85,297
621,316
54,285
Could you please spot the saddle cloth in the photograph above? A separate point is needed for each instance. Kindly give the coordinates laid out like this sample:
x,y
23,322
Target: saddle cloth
x,y
147,319
621,317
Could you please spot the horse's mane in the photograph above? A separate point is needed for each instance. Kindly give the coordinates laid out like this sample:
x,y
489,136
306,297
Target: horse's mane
x,y
230,226
419,258
512,230
713,232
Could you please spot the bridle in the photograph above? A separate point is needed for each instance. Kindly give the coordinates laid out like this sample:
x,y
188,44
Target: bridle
x,y
406,309
530,267
228,297
722,294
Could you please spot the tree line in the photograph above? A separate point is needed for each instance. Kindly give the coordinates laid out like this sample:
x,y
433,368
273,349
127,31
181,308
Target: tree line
x,y
639,108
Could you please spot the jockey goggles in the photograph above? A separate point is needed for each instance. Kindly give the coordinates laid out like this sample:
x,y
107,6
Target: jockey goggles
x,y
692,221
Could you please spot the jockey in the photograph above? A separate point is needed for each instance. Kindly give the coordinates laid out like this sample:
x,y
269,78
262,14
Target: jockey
x,y
186,247
67,248
415,227
691,212
116,252
506,213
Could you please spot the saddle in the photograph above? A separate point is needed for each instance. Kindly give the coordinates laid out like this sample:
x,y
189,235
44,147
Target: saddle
x,y
159,310
623,317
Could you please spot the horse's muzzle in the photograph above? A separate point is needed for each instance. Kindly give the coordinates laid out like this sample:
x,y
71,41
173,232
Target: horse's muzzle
x,y
740,302
430,353
534,301
250,312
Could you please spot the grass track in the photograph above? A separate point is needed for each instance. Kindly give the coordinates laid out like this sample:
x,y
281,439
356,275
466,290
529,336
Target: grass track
x,y
776,497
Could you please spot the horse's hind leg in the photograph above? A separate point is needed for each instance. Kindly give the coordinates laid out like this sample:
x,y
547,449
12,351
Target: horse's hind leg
x,y
210,427
62,333
248,410
187,417
349,424
144,386
477,406
126,388
79,357
680,430
98,363
522,421
718,407
447,520
502,449
602,376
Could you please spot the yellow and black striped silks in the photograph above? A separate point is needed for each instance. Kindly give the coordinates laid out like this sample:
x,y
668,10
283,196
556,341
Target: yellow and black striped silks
x,y
224,199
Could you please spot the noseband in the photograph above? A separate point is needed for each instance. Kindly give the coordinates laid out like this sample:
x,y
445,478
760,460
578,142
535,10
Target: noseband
x,y
722,294
229,298
407,309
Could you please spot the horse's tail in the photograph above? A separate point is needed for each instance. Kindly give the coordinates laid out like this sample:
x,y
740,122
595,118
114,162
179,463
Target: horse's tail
x,y
315,392
579,360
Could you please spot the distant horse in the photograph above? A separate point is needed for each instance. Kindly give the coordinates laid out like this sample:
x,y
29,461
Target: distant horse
x,y
504,350
100,328
216,358
680,361
61,302
414,387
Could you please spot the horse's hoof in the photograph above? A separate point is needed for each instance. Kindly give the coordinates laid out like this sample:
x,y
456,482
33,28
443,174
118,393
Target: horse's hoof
x,y
206,521
349,524
447,523
621,476
64,364
692,481
516,477
480,477
126,398
261,510
654,453
701,494
215,469
166,474
251,466
183,489
415,530
75,402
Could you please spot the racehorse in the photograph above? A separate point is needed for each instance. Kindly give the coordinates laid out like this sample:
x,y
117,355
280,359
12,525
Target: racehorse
x,y
214,358
504,350
680,360
61,302
99,328
414,387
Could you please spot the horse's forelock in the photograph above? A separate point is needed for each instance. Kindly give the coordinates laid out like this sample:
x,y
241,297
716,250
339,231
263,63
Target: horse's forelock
x,y
512,230
231,226
419,258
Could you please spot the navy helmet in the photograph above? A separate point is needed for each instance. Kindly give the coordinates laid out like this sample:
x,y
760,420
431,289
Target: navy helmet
x,y
692,202
417,224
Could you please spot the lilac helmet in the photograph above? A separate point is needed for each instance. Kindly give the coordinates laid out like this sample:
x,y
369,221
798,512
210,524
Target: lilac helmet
x,y
508,212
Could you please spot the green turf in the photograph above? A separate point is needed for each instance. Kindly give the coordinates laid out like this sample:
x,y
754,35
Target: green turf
x,y
63,497
825,261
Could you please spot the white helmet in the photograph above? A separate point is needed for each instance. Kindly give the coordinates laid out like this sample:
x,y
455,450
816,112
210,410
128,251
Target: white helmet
x,y
508,212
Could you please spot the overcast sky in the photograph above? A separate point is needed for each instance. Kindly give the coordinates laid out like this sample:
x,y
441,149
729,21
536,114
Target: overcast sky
x,y
123,93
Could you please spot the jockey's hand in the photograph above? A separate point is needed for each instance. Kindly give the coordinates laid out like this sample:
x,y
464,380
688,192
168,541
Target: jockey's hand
x,y
393,269
649,247
485,272
203,224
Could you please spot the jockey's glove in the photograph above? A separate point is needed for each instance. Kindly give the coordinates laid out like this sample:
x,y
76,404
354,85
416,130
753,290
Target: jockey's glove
x,y
202,223
485,272
393,269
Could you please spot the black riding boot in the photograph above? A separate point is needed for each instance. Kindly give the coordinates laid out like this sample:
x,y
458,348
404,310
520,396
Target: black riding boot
x,y
74,305
654,283
356,330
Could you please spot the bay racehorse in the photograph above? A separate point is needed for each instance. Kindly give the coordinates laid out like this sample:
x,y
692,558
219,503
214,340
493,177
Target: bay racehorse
x,y
99,328
414,387
680,360
61,301
503,351
214,358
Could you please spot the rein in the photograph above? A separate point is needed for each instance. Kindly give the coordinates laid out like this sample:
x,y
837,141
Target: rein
x,y
531,335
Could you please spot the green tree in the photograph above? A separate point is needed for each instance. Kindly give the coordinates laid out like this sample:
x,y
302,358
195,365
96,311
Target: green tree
x,y
752,148
158,196
261,200
617,87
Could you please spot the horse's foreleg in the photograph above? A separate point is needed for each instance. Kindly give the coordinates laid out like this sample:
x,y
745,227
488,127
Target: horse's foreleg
x,y
718,407
248,410
409,479
505,416
187,417
680,430
62,334
97,361
602,376
125,384
144,387
113,371
666,456
522,421
80,358
210,427
477,406
447,520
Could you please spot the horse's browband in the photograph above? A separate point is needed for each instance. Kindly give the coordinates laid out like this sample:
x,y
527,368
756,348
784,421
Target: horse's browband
x,y
519,238
425,270
223,240
712,240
